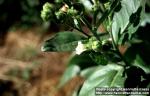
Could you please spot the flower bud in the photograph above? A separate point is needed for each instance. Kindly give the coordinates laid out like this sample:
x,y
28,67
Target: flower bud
x,y
60,16
106,44
47,11
47,6
58,1
94,44
72,12
61,13
64,8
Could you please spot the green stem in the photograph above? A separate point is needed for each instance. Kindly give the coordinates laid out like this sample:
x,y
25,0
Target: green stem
x,y
86,22
95,17
79,30
115,46
102,7
80,27
107,13
92,29
94,32
118,51
111,35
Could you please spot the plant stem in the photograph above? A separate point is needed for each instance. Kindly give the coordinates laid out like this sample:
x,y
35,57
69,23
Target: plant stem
x,y
95,17
79,30
92,29
80,27
115,46
86,22
107,12
94,32
102,7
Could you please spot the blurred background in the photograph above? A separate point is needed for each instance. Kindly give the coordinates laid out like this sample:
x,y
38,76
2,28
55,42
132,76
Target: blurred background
x,y
24,69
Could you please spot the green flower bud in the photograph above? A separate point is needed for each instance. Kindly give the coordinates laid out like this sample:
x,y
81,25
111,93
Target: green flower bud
x,y
107,5
72,12
94,44
96,5
107,41
106,45
58,1
60,15
47,6
95,8
47,12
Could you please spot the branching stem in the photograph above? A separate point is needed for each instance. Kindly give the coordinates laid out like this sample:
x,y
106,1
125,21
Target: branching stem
x,y
79,30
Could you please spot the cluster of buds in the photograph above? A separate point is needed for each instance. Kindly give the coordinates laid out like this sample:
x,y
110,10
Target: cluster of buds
x,y
93,44
49,12
96,4
61,13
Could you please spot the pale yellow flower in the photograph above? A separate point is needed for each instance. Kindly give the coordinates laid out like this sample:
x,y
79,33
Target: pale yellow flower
x,y
80,48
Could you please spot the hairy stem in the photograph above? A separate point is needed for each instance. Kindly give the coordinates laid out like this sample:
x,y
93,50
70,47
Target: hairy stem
x,y
79,30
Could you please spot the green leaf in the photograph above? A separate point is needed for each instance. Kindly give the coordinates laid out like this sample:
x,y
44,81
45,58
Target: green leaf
x,y
108,12
138,55
140,63
104,76
98,58
146,19
86,73
130,54
69,73
83,60
62,41
121,19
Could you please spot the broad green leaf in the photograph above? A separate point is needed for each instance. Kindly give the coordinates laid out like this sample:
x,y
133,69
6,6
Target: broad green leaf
x,y
98,58
140,63
104,76
69,73
138,55
83,60
75,93
122,19
86,73
62,41
130,54
146,19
